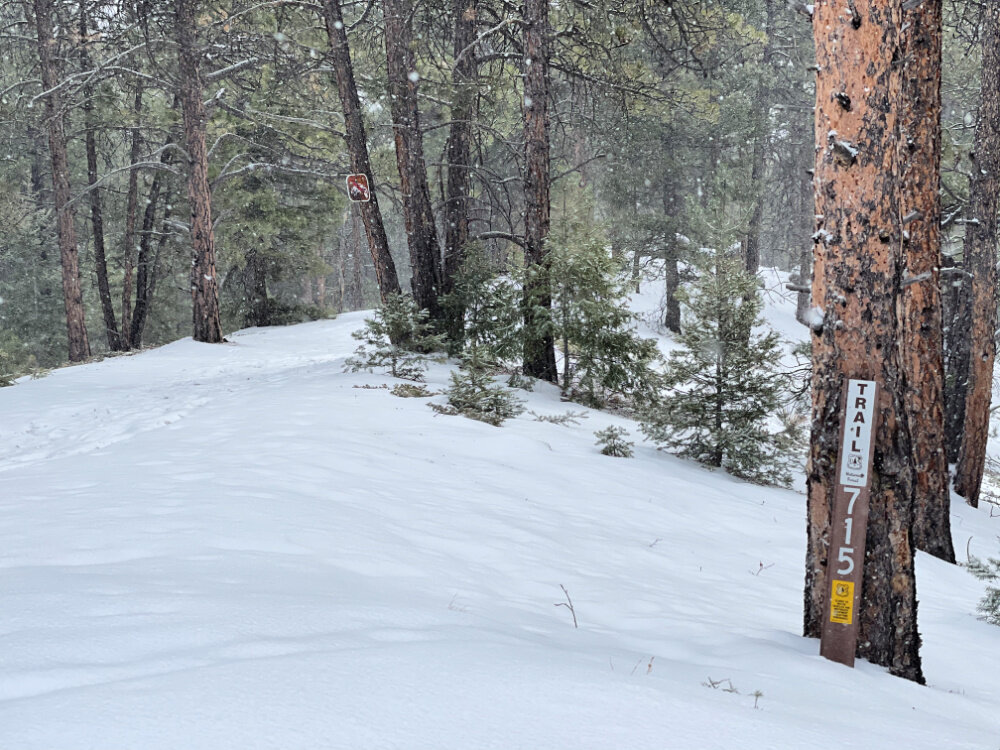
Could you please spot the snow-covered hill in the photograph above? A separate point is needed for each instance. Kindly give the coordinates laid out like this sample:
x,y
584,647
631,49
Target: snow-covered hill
x,y
236,546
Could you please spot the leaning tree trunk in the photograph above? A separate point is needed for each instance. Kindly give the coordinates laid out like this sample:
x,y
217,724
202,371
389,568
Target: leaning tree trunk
x,y
357,146
76,325
857,286
539,345
204,284
459,151
418,214
96,208
921,317
981,263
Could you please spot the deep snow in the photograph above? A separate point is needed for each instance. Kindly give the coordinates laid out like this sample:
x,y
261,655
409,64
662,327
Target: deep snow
x,y
233,546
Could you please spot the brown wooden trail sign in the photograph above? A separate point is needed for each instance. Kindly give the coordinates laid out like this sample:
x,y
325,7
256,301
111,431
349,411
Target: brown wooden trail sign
x,y
845,564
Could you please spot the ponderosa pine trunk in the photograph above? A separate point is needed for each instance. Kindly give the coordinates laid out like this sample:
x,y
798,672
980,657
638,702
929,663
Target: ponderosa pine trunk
x,y
96,208
856,285
671,257
981,262
539,345
76,324
921,315
418,214
357,147
204,284
459,153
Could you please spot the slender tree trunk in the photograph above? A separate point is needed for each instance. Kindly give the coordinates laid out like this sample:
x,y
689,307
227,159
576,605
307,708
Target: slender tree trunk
x,y
856,284
204,284
418,215
143,275
672,312
539,345
255,278
96,209
129,248
981,263
357,146
76,324
356,269
920,313
459,151
759,156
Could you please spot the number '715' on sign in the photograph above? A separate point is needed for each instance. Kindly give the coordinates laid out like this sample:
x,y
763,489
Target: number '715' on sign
x,y
845,566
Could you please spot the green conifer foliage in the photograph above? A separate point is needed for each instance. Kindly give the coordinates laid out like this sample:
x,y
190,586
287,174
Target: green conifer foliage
x,y
397,338
603,355
724,388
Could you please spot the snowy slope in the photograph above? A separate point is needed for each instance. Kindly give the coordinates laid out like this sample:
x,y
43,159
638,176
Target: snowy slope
x,y
209,547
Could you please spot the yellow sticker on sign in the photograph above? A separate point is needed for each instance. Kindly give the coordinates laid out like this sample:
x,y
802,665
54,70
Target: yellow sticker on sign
x,y
842,602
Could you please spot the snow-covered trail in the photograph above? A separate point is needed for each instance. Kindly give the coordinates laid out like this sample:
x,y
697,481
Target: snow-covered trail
x,y
235,547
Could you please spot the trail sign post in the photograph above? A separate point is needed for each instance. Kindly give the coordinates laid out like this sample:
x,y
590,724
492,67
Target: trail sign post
x,y
845,564
357,188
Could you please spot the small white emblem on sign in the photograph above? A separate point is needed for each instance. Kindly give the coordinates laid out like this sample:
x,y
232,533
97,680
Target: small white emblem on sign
x,y
859,413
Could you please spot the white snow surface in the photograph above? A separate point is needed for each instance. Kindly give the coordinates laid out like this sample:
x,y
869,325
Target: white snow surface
x,y
233,546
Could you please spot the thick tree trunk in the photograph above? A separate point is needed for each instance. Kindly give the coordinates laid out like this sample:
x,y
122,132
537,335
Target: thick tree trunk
x,y
76,325
418,215
980,262
920,313
96,208
129,249
857,286
357,146
539,345
204,284
459,151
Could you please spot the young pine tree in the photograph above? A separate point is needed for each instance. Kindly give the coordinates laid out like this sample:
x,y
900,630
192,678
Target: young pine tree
x,y
603,355
398,338
723,386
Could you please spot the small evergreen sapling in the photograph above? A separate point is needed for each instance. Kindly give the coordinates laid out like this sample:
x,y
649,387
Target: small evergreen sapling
x,y
988,570
613,442
474,394
398,338
603,354
724,385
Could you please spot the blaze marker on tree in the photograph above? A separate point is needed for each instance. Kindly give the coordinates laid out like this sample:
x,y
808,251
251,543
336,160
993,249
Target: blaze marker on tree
x,y
845,566
357,188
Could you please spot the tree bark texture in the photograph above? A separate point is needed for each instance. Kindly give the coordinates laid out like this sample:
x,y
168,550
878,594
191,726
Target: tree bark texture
x,y
144,281
76,325
920,313
357,147
418,214
671,253
129,249
96,208
980,261
856,284
204,284
539,345
459,151
759,156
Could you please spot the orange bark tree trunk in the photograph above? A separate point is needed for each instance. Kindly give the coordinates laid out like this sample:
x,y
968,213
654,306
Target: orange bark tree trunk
x,y
856,286
76,325
920,208
204,284
980,262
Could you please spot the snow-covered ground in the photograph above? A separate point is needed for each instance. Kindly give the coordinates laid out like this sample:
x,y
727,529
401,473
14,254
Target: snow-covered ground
x,y
235,546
